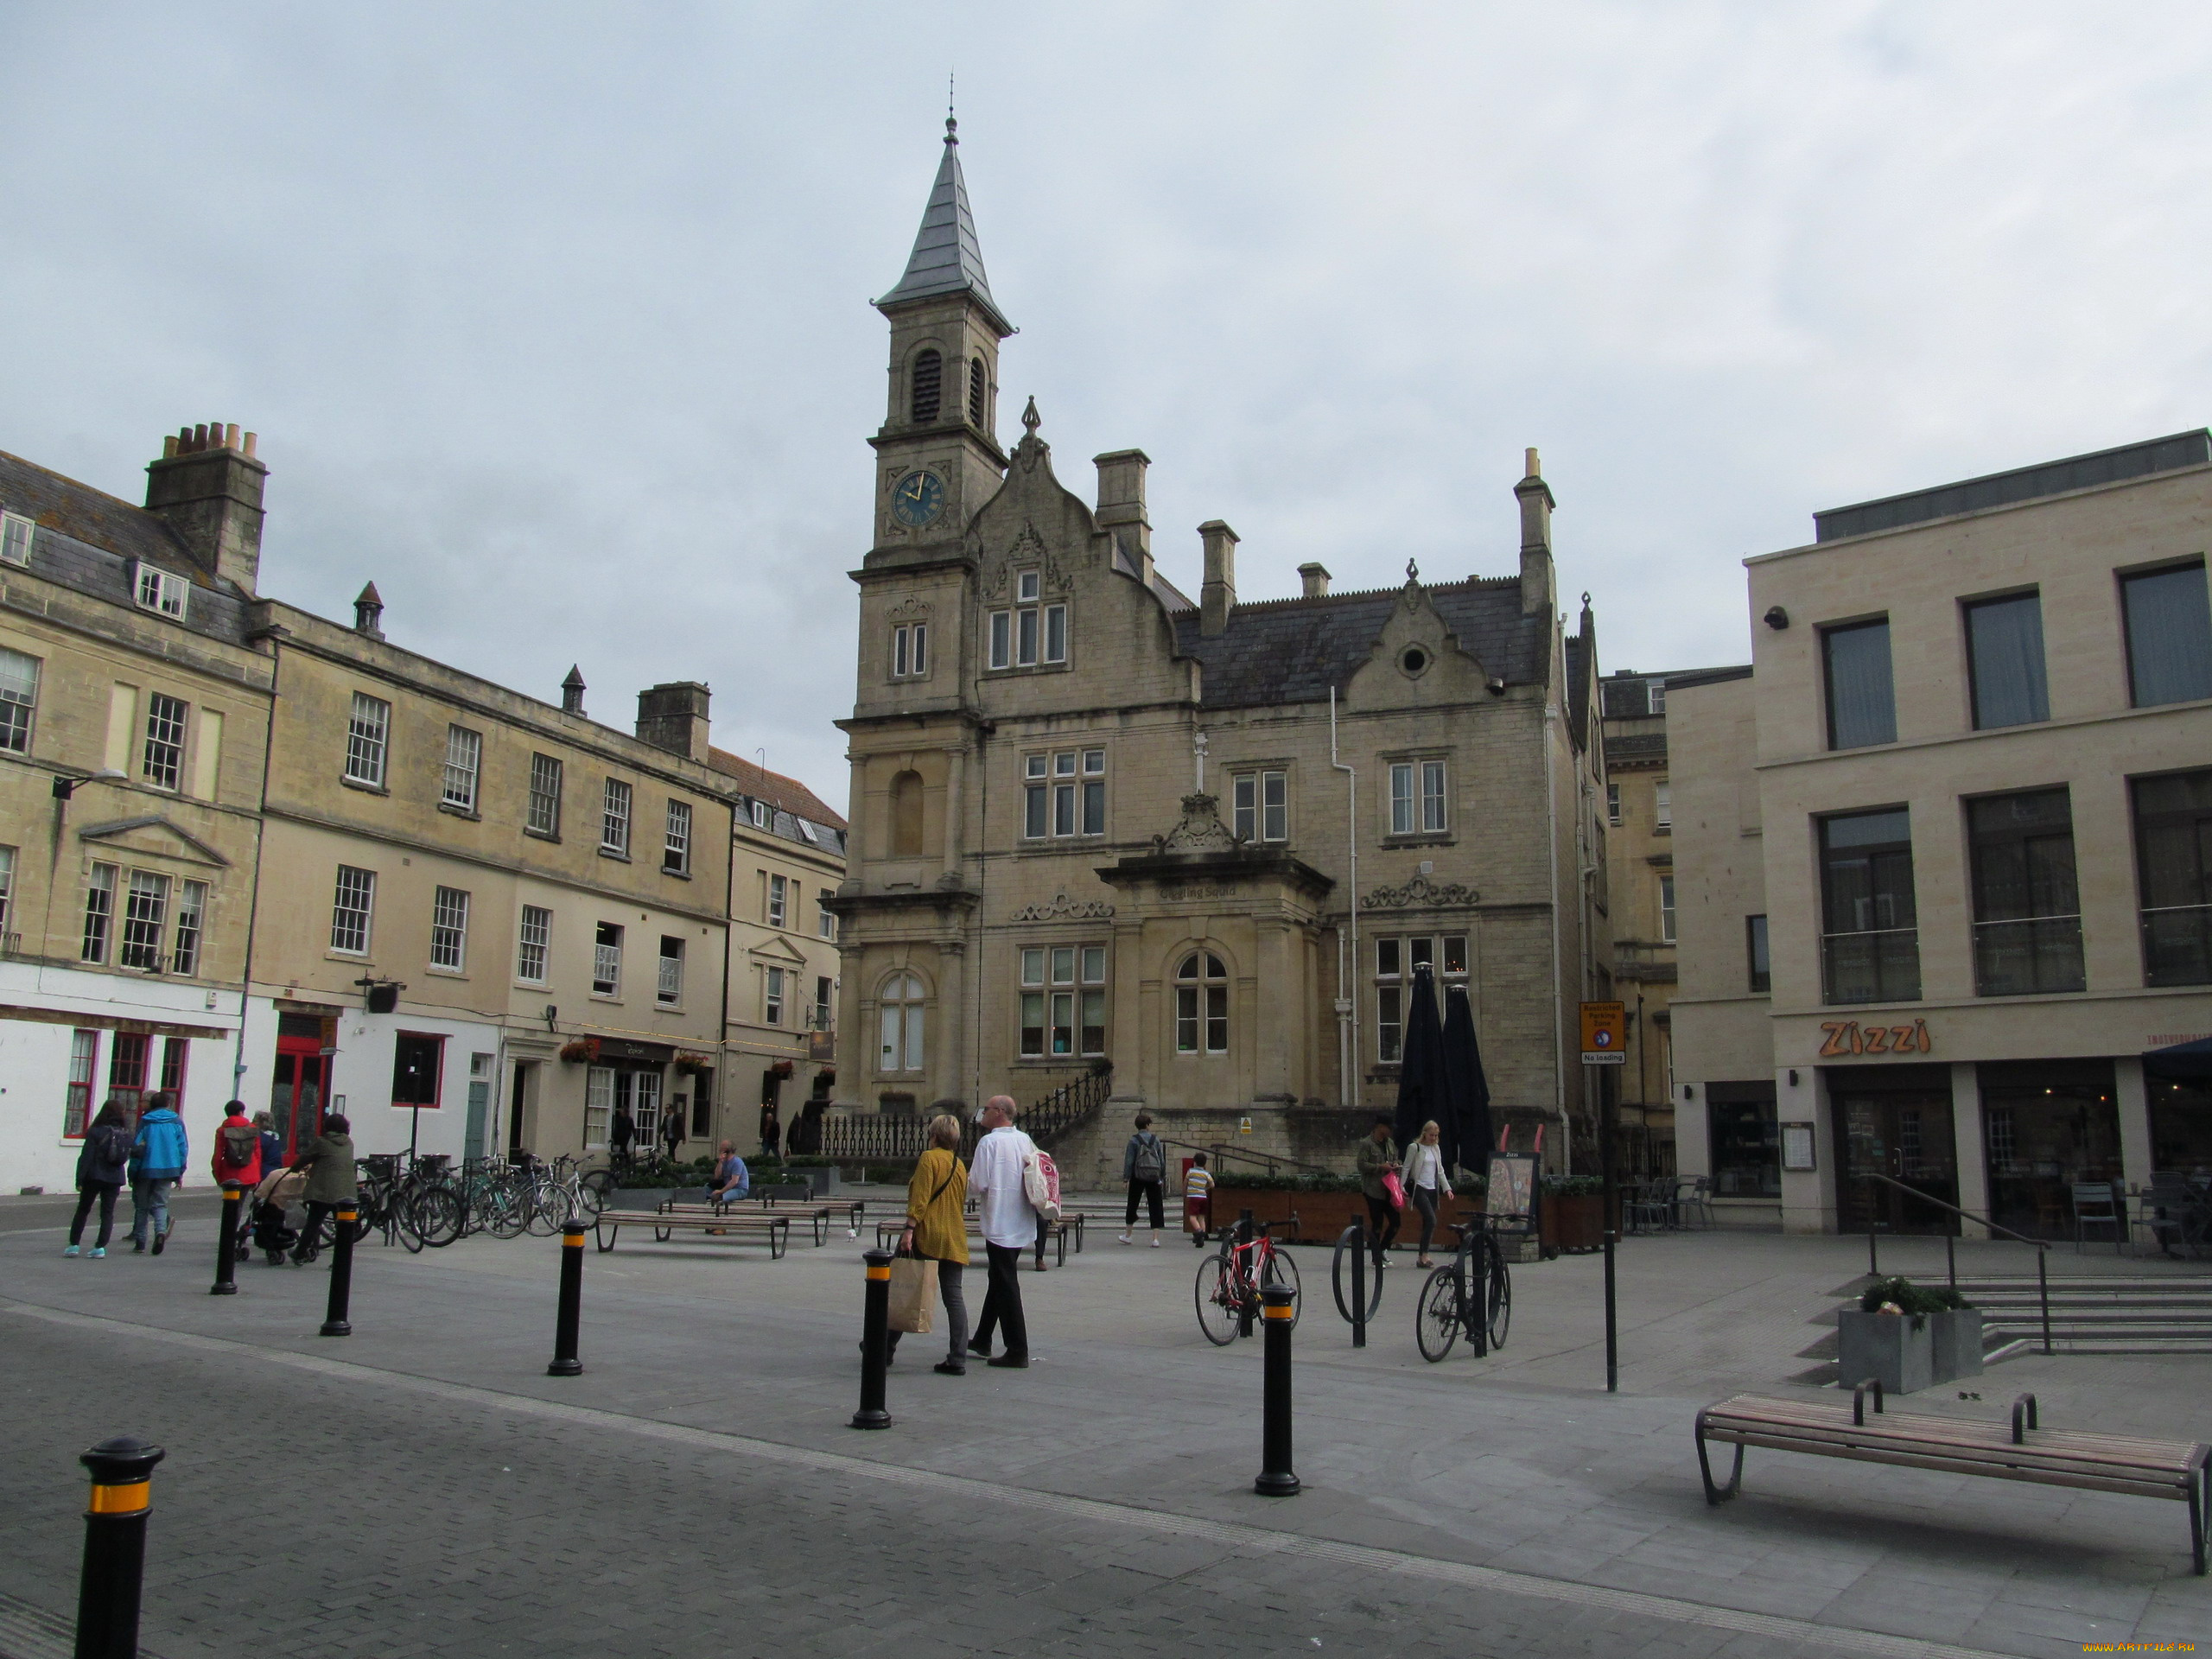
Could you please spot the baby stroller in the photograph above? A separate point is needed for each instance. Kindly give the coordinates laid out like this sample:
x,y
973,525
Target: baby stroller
x,y
273,1231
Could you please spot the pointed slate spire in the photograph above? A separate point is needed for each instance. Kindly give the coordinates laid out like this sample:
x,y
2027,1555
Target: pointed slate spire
x,y
947,259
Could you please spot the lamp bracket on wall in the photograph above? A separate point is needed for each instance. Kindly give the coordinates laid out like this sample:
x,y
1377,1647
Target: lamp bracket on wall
x,y
381,996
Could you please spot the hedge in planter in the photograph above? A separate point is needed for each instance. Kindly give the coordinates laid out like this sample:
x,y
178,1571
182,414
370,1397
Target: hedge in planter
x,y
1909,1336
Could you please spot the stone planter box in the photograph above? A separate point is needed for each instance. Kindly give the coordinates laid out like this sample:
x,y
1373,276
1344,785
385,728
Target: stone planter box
x,y
783,1190
821,1180
1907,1354
642,1198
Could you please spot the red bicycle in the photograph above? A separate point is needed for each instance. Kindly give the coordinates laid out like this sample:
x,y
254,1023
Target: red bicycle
x,y
1230,1283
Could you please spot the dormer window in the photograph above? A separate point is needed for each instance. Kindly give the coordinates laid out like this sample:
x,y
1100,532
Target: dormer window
x,y
14,538
160,591
928,387
759,815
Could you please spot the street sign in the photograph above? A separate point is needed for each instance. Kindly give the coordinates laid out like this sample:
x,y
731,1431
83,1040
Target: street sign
x,y
1605,1034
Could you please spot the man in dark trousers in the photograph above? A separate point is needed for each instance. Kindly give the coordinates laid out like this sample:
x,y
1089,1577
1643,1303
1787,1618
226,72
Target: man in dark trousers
x,y
1009,1227
1378,1155
624,1135
772,1129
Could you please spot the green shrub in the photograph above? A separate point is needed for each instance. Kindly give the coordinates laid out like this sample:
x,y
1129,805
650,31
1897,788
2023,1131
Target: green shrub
x,y
1902,1296
1571,1186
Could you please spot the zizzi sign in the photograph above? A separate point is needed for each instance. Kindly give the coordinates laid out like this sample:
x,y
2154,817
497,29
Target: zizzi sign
x,y
1849,1037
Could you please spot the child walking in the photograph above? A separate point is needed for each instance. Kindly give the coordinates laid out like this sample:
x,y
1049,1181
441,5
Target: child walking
x,y
1198,1201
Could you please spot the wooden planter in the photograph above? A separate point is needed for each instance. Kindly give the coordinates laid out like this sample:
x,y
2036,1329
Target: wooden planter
x,y
1574,1224
1323,1217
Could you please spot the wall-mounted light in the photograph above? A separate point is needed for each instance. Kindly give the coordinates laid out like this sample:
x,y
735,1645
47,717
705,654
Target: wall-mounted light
x,y
1690,1092
1777,618
65,787
1793,1079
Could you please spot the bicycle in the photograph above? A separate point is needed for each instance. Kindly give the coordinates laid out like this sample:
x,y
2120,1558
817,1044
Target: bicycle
x,y
1230,1283
1450,1305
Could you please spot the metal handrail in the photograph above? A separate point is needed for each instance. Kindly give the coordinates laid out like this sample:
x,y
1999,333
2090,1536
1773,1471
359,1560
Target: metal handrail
x,y
1950,1245
1269,1160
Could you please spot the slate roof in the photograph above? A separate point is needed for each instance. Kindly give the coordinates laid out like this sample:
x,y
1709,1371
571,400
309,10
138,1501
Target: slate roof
x,y
1293,650
88,540
785,794
947,258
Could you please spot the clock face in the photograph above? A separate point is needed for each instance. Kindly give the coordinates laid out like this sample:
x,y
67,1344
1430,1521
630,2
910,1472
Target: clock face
x,y
917,499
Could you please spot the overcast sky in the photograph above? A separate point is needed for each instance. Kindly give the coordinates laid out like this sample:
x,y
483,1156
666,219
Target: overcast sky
x,y
554,319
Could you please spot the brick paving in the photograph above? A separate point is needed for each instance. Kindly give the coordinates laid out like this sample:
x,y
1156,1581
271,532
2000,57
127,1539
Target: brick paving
x,y
416,1497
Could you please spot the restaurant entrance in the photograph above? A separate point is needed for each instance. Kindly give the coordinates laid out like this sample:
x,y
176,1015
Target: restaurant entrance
x,y
1893,1120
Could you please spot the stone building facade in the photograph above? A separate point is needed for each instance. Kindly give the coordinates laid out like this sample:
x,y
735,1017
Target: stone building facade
x,y
1205,842
309,867
1945,853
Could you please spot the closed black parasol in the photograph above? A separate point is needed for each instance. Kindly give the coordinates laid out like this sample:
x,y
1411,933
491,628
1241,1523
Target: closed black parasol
x,y
1423,1092
1466,1134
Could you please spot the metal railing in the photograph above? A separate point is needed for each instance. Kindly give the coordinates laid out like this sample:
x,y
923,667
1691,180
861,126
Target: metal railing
x,y
2042,1246
897,1137
1067,1109
1268,1161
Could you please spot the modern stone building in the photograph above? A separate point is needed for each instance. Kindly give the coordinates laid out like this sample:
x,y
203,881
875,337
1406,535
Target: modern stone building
x,y
1099,822
1944,853
326,871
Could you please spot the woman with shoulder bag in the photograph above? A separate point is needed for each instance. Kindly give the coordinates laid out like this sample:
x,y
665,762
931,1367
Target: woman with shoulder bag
x,y
937,1230
332,1181
1427,1182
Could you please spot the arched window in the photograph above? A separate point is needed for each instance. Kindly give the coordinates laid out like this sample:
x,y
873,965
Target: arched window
x,y
974,392
1202,1005
901,1002
906,814
928,384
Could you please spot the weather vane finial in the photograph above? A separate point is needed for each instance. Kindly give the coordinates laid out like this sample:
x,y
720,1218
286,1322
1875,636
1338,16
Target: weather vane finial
x,y
952,126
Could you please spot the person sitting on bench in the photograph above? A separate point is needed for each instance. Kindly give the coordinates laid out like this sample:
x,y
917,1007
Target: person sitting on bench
x,y
731,1179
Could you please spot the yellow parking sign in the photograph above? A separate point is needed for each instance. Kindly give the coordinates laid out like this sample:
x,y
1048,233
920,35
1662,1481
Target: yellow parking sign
x,y
1605,1034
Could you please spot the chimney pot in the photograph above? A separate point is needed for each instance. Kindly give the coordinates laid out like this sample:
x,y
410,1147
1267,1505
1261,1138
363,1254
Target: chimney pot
x,y
368,612
249,445
230,436
1537,593
1121,503
1314,578
168,448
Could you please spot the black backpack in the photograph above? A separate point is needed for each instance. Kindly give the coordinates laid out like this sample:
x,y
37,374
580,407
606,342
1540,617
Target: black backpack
x,y
241,1144
1151,1161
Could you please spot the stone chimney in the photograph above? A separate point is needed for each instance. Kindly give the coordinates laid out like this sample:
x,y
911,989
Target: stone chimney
x,y
208,485
674,717
1537,592
368,613
1217,597
572,691
1314,579
1120,503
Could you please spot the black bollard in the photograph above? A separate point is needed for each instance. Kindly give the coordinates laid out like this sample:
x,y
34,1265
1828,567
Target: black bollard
x,y
226,1251
567,1325
876,1343
115,1547
1277,1480
1244,1236
1475,1297
1359,1283
342,1272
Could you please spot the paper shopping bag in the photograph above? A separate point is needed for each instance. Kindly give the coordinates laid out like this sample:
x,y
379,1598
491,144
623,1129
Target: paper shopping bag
x,y
914,1300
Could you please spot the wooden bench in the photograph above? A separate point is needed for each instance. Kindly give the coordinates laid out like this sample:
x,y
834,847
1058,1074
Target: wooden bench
x,y
820,1217
2023,1450
666,1224
1057,1232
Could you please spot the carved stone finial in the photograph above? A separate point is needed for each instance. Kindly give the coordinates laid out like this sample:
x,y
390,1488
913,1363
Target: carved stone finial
x,y
1201,829
1412,571
1031,419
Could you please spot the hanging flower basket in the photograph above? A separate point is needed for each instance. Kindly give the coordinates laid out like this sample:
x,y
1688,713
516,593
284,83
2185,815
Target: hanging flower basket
x,y
695,1064
782,1068
580,1052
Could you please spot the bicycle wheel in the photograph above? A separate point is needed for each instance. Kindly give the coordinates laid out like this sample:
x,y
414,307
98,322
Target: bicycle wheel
x,y
1281,1269
1437,1317
505,1216
1501,1299
593,1194
404,1222
438,1216
1218,1298
549,1207
1340,1275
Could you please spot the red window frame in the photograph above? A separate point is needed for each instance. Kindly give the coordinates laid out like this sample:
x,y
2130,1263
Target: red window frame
x,y
77,1092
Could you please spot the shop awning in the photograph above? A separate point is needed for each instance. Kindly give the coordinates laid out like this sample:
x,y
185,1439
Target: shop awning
x,y
2183,1062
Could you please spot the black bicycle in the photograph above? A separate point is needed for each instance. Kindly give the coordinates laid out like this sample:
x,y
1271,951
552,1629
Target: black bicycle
x,y
1471,1294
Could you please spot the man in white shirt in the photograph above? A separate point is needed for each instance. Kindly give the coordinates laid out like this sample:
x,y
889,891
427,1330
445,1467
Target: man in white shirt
x,y
1009,1227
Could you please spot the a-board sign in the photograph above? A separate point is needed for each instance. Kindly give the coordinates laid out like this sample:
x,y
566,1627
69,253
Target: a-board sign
x,y
1605,1034
1509,1205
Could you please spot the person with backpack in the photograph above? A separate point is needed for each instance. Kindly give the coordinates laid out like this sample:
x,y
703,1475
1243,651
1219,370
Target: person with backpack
x,y
332,1179
272,1144
1144,1166
236,1163
102,1163
159,1155
999,1179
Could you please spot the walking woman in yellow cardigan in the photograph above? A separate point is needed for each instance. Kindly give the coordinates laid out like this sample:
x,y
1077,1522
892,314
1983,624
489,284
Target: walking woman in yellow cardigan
x,y
937,1228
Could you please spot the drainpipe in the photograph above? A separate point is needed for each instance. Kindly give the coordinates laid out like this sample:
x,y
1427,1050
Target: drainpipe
x,y
1348,999
1559,992
260,838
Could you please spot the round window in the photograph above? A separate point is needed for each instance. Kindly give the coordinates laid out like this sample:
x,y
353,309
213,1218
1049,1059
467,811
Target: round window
x,y
1414,660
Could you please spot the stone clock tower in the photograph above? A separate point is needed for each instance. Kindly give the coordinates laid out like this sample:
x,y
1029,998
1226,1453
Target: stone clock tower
x,y
937,456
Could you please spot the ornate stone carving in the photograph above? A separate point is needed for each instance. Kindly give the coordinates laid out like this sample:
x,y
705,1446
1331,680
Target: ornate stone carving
x,y
1028,549
1201,830
1421,893
1061,908
912,609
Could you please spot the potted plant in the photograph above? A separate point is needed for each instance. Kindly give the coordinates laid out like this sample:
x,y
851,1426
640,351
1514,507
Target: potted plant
x,y
582,1051
1908,1336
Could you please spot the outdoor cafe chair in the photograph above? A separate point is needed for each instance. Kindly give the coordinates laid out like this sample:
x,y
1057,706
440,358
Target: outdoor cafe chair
x,y
2096,1205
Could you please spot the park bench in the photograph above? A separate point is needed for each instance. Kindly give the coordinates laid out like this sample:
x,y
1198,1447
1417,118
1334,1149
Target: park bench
x,y
2020,1451
666,1224
820,1217
1048,1233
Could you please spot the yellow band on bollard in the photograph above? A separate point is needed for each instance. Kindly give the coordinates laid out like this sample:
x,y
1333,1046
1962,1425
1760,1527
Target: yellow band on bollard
x,y
574,1241
127,1498
883,1272
1287,1311
349,1214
